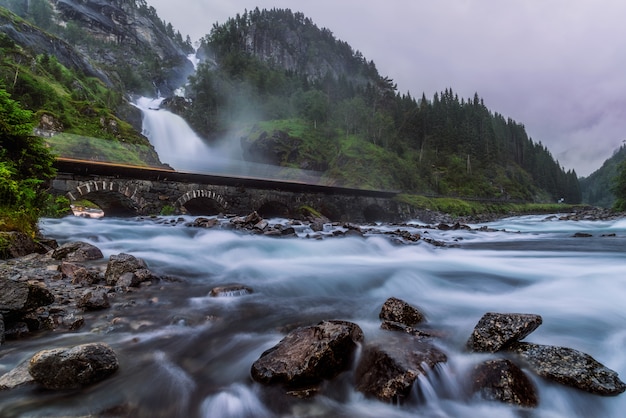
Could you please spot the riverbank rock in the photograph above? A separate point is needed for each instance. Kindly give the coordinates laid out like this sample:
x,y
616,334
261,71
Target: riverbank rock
x,y
495,331
387,370
125,263
17,244
501,380
570,367
397,310
94,300
20,297
309,355
73,367
77,251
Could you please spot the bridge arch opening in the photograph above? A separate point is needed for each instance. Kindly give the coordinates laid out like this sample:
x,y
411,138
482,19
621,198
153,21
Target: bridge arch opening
x,y
202,202
202,206
274,209
112,198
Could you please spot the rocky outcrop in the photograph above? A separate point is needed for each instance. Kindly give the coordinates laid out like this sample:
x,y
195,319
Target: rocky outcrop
x,y
502,380
570,367
309,355
73,367
496,331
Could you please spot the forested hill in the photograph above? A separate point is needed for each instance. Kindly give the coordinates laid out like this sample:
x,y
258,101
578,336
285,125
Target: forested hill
x,y
597,188
311,101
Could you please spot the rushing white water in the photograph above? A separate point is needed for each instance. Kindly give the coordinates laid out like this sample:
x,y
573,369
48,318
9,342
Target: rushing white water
x,y
184,353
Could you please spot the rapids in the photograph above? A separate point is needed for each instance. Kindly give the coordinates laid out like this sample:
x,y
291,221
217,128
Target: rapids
x,y
186,354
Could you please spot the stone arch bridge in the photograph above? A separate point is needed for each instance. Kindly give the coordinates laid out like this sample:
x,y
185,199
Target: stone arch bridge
x,y
131,191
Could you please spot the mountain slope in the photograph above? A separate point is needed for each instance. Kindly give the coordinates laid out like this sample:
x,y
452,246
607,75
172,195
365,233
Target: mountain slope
x,y
278,68
596,188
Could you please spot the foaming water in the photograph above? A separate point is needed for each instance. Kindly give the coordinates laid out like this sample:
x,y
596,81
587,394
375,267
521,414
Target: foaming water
x,y
185,353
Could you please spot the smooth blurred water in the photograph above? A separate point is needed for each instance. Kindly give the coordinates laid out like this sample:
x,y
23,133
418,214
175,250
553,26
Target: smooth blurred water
x,y
184,353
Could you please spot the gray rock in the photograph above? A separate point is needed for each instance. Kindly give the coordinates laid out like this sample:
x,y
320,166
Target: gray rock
x,y
73,367
387,370
20,297
19,376
93,300
501,380
495,331
19,244
76,252
397,310
570,367
120,264
308,355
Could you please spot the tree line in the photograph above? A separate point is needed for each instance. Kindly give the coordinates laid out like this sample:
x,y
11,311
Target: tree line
x,y
265,65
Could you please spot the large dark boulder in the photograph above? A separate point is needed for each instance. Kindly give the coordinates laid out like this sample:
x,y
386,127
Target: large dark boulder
x,y
308,355
20,297
77,251
73,367
496,331
397,310
120,264
18,244
570,367
387,370
501,380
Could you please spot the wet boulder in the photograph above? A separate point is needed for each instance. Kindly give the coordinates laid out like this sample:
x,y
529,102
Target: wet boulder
x,y
120,264
309,355
21,297
501,380
570,367
388,369
77,251
496,331
397,310
73,367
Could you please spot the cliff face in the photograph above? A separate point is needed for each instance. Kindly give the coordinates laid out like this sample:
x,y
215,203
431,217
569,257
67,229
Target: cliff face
x,y
136,33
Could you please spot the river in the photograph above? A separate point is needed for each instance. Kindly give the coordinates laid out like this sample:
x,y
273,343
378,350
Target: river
x,y
186,354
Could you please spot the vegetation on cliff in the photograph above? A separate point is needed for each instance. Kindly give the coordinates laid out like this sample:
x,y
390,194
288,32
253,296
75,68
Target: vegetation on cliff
x,y
25,167
323,105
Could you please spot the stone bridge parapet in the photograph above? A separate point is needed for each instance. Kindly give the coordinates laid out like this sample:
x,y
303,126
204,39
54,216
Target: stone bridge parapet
x,y
133,192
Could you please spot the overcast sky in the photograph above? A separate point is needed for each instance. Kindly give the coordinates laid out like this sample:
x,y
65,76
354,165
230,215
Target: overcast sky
x,y
556,66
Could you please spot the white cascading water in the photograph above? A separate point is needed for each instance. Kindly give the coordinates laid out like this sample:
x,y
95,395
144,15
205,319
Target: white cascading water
x,y
185,353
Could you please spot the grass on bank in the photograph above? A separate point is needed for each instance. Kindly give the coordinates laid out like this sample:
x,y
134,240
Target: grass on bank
x,y
460,207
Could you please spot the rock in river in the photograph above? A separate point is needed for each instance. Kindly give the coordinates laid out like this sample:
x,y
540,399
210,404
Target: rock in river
x,y
308,355
502,380
73,367
570,367
496,331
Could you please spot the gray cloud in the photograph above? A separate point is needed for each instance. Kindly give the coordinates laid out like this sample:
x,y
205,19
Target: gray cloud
x,y
554,65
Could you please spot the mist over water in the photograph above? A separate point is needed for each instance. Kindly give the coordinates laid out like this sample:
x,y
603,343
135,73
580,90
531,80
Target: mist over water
x,y
184,353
